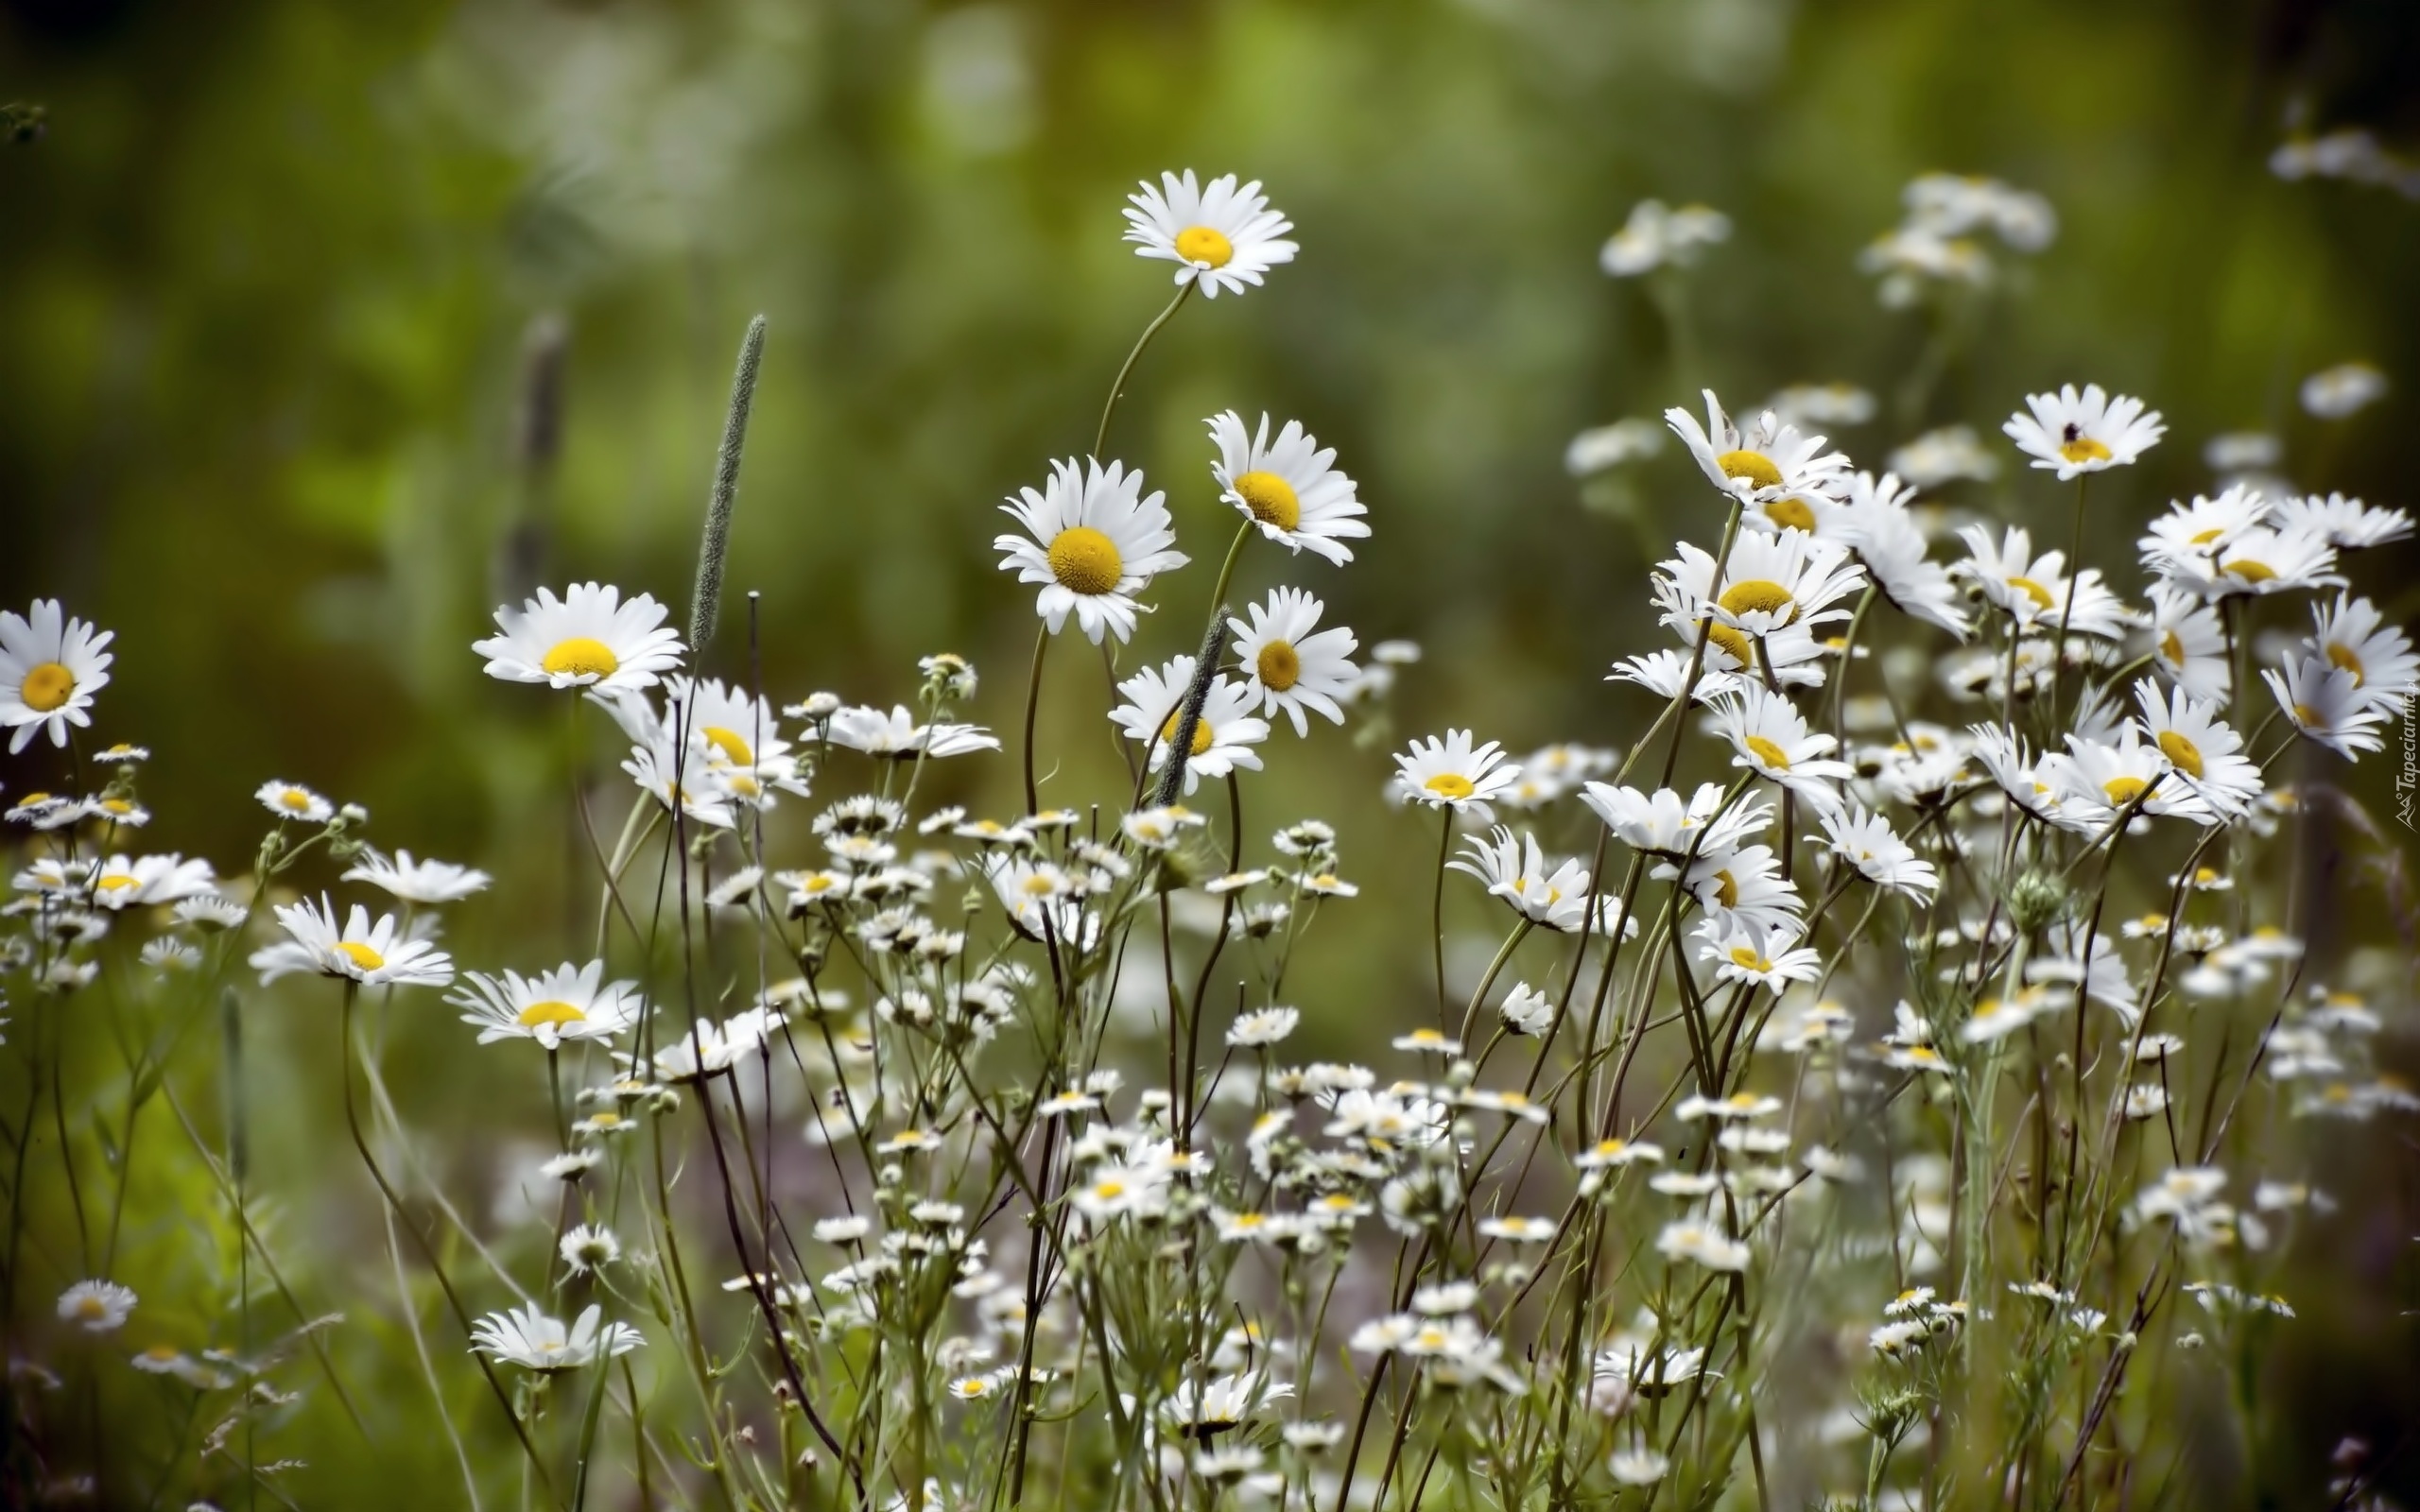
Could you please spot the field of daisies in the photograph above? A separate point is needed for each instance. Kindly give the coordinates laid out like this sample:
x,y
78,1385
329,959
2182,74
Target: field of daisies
x,y
1902,1071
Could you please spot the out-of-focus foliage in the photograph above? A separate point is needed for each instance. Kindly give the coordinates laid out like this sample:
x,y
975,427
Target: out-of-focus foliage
x,y
325,327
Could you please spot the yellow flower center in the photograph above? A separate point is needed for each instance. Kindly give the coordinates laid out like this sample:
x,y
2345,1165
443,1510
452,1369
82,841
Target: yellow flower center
x,y
554,1010
2344,658
1086,562
117,805
1271,499
2204,538
1734,643
295,798
2034,591
361,955
91,1306
1201,733
1756,467
1109,1190
2305,716
2084,449
1757,595
46,687
1767,753
161,1352
2249,570
1726,889
115,882
1743,956
2172,648
2203,876
729,742
1451,786
1199,244
1791,514
2123,790
1038,886
1280,666
2186,755
582,656
604,1120
31,799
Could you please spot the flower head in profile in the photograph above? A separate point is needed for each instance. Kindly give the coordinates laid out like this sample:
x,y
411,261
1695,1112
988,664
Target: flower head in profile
x,y
897,736
2201,747
417,882
134,881
293,802
50,667
1877,524
1453,773
1741,951
1868,844
1223,734
1773,740
1222,238
1780,475
589,638
2325,703
1656,236
567,1002
374,953
1291,665
528,1338
2078,433
1540,890
1289,487
1093,541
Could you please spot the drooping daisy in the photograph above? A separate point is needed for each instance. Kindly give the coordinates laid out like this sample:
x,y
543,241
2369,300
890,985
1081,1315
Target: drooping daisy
x,y
1289,487
2348,525
1223,734
1289,666
567,1002
2190,644
1518,870
896,735
1876,523
96,1307
417,882
1663,823
372,952
1770,467
2202,748
50,667
590,638
2353,635
1221,238
1452,773
121,883
2076,434
2325,703
292,800
1743,952
1773,740
1867,842
528,1338
1094,540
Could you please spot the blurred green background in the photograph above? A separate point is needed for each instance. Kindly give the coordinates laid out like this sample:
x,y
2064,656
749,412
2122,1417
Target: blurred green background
x,y
323,327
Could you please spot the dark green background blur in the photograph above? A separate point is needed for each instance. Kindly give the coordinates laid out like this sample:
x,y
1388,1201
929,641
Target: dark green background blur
x,y
272,282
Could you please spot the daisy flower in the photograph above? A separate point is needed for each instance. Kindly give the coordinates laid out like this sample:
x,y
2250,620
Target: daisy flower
x,y
1773,740
1770,469
1876,523
96,1307
896,735
1743,952
736,736
2201,746
1093,542
1663,823
2202,528
1289,487
2325,703
1222,238
2354,637
2348,525
2099,778
1655,236
119,883
1452,773
1223,735
2076,434
292,800
372,952
1944,455
589,1248
2031,786
1769,582
1744,884
1708,1246
2332,394
2256,561
2190,644
587,639
417,882
1867,842
1516,871
568,1003
2034,591
680,780
530,1339
1289,666
50,667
